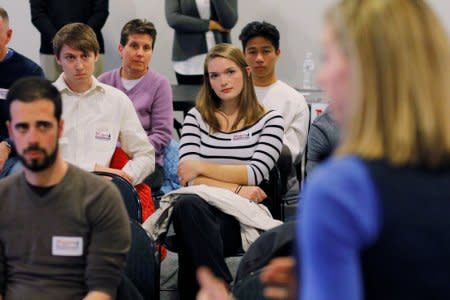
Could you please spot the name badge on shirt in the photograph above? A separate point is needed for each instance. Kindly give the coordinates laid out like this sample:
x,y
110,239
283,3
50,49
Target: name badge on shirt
x,y
67,246
3,93
102,134
241,136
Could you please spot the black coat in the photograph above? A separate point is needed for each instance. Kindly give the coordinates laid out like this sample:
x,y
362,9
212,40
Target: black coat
x,y
48,16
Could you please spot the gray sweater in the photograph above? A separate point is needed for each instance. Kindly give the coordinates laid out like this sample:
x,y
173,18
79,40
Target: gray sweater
x,y
189,39
63,244
323,139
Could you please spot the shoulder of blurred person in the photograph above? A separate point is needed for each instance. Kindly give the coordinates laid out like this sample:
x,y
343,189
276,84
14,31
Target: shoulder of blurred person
x,y
323,138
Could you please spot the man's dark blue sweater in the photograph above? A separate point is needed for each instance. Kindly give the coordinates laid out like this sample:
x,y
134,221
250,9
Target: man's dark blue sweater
x,y
13,67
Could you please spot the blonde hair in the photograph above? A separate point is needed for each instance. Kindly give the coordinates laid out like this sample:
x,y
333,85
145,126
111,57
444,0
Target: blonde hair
x,y
401,55
207,102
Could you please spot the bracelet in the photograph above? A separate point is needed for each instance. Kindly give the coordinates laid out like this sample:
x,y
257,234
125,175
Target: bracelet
x,y
238,189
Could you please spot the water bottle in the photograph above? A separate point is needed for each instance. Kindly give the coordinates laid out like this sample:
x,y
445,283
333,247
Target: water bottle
x,y
308,71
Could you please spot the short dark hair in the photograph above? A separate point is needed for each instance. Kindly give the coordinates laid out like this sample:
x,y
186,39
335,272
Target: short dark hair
x,y
77,36
137,26
263,29
4,15
30,89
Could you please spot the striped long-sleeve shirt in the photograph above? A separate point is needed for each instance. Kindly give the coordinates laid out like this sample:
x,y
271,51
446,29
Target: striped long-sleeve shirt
x,y
257,146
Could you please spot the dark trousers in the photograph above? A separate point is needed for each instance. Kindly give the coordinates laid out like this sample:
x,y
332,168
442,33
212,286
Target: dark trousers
x,y
189,79
204,236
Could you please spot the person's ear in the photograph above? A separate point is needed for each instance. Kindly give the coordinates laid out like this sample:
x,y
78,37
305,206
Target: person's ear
x,y
120,48
8,35
58,61
278,53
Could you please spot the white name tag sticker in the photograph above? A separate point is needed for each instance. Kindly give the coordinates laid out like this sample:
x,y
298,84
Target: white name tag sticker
x,y
3,93
241,136
102,134
67,246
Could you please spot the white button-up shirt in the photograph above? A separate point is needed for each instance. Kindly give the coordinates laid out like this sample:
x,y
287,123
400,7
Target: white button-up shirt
x,y
97,120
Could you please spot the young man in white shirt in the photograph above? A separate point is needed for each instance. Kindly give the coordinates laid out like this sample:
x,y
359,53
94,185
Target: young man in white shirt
x,y
260,43
97,116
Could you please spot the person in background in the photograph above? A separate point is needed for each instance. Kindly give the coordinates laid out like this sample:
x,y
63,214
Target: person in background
x,y
149,91
13,66
323,138
261,46
374,223
229,141
97,116
198,25
48,16
57,240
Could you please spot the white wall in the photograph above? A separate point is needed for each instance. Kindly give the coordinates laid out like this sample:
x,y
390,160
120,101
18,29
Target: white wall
x,y
299,22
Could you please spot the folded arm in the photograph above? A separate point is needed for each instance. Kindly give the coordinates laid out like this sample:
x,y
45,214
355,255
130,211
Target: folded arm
x,y
251,192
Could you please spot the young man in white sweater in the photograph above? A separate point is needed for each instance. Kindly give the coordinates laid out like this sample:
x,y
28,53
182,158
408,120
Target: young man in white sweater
x,y
260,43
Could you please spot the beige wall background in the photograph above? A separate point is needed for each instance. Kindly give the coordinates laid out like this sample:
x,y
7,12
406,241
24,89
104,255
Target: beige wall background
x,y
299,22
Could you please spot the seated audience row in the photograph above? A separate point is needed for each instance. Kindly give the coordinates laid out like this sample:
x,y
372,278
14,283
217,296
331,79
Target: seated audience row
x,y
98,117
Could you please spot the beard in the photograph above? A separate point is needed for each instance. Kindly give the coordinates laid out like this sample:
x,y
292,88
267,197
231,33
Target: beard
x,y
37,165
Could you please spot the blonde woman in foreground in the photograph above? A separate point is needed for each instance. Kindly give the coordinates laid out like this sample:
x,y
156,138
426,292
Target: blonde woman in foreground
x,y
375,222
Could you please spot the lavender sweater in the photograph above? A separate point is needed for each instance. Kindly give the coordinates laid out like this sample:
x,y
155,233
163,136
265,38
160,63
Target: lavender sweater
x,y
152,99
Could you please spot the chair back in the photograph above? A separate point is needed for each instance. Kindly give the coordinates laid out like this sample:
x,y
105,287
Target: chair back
x,y
273,189
142,264
129,195
251,288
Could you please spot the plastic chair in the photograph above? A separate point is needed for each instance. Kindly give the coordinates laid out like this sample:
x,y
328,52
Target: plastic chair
x,y
142,264
129,195
274,191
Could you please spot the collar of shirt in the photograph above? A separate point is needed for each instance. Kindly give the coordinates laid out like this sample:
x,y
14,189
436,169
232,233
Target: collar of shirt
x,y
9,54
62,86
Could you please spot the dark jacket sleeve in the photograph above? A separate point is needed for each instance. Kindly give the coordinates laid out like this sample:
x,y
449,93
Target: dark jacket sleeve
x,y
41,19
184,20
37,71
2,271
323,138
226,12
318,148
99,15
